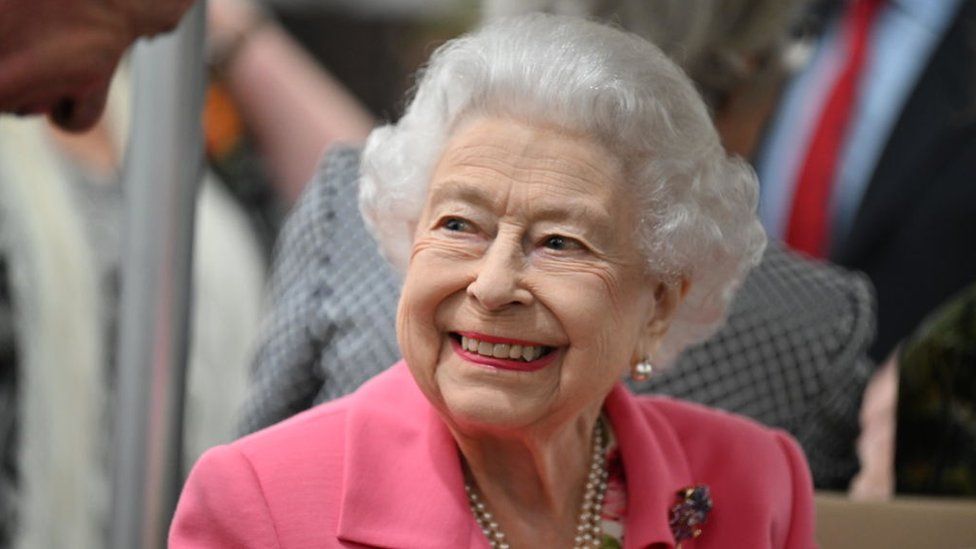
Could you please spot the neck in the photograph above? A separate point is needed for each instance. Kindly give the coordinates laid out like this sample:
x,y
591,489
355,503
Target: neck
x,y
533,480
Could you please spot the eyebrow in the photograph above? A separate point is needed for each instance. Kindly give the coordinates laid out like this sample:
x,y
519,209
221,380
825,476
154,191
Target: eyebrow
x,y
454,189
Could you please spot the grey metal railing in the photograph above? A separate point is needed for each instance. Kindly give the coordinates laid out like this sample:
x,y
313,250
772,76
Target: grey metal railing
x,y
163,167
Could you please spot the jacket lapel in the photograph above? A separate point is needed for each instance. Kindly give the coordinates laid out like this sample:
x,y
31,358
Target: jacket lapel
x,y
402,483
655,467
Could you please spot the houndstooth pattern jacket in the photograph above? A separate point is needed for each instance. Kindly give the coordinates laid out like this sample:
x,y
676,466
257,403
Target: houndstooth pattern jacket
x,y
792,354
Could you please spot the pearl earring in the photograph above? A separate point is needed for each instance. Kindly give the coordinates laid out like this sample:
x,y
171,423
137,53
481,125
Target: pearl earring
x,y
642,370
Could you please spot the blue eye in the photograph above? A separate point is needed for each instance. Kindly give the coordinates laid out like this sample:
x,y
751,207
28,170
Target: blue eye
x,y
560,243
455,224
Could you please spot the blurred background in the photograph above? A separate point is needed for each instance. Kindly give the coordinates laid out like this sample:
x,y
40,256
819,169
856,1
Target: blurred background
x,y
288,79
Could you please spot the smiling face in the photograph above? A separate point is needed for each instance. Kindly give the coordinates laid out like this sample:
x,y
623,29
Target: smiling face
x,y
526,297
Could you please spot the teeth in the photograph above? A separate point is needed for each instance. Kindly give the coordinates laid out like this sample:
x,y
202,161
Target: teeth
x,y
527,353
515,351
500,350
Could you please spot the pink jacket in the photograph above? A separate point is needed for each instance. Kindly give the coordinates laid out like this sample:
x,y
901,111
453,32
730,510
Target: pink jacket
x,y
379,468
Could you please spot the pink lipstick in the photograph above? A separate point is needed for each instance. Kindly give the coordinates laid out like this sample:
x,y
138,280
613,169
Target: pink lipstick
x,y
516,364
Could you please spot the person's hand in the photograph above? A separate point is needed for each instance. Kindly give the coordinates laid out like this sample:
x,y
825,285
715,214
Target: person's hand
x,y
226,18
57,56
230,24
876,443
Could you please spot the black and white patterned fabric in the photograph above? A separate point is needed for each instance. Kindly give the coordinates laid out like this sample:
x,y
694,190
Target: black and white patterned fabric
x,y
791,355
334,298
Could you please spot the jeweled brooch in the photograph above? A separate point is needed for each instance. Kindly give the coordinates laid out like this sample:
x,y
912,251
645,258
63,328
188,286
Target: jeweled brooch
x,y
690,513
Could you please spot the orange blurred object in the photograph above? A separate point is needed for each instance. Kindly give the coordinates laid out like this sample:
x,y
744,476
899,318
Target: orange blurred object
x,y
223,127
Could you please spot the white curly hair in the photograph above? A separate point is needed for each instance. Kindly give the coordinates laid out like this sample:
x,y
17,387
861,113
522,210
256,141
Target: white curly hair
x,y
698,224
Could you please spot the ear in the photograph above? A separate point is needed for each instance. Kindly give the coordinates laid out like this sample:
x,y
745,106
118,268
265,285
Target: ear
x,y
668,296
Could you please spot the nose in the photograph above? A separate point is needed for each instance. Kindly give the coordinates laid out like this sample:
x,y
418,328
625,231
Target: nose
x,y
498,282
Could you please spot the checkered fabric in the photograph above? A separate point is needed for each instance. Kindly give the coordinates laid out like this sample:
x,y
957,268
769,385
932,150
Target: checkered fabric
x,y
792,354
332,323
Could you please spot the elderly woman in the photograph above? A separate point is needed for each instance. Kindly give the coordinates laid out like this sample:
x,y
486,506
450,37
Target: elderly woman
x,y
564,214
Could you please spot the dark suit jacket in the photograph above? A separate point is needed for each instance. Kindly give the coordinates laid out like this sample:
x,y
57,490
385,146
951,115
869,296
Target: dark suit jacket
x,y
915,232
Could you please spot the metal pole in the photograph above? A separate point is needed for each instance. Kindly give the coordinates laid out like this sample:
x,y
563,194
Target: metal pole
x,y
164,163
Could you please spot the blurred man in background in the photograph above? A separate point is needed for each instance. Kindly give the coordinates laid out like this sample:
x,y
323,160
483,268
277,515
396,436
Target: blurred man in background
x,y
870,158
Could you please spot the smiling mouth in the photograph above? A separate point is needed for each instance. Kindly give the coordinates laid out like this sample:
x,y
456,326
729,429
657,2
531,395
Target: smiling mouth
x,y
500,348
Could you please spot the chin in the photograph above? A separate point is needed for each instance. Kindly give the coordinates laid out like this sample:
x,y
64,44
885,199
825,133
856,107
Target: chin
x,y
474,396
488,409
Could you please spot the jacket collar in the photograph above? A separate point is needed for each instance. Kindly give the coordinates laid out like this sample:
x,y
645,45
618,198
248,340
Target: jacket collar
x,y
402,484
655,467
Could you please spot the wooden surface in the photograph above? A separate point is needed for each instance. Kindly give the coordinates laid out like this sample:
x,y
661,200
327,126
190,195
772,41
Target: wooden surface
x,y
901,523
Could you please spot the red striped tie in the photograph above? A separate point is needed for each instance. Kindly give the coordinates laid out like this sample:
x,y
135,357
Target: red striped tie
x,y
808,230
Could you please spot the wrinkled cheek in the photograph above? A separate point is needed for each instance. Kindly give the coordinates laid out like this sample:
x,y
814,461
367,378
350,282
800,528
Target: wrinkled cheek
x,y
417,351
434,277
417,331
601,333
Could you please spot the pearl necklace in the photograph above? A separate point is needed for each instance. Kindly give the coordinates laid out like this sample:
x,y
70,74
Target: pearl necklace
x,y
588,530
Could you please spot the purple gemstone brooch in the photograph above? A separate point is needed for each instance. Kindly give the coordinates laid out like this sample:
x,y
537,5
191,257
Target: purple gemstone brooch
x,y
690,513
